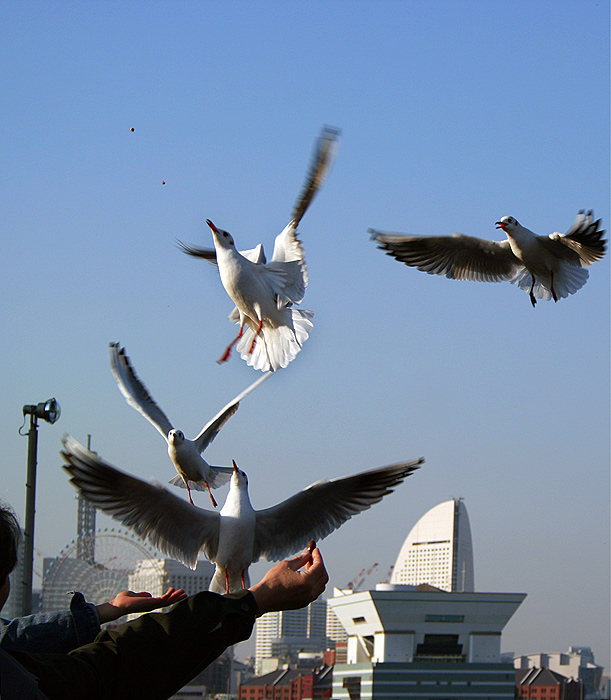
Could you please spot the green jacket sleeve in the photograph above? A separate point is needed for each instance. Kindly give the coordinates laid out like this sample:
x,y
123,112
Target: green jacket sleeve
x,y
151,657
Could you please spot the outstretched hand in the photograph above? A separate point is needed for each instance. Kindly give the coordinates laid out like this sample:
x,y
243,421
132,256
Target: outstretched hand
x,y
287,587
129,602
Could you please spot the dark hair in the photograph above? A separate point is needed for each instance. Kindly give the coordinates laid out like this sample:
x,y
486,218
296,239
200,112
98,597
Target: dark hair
x,y
9,539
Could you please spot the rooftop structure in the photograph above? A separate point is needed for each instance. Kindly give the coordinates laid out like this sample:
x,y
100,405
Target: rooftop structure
x,y
404,642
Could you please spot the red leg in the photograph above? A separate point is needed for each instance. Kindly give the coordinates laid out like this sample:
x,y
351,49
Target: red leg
x,y
243,581
214,503
227,352
189,492
226,581
254,340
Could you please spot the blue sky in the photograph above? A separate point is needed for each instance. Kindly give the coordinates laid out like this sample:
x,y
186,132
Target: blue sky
x,y
452,115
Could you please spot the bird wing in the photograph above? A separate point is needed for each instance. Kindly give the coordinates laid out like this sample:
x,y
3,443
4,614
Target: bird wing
x,y
582,244
321,508
320,167
256,254
134,391
287,247
208,254
174,526
283,281
212,428
457,257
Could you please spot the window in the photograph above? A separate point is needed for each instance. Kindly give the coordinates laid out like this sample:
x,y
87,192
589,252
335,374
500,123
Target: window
x,y
353,686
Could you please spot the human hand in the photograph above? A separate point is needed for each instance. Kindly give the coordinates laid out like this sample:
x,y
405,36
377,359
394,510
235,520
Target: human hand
x,y
129,602
285,587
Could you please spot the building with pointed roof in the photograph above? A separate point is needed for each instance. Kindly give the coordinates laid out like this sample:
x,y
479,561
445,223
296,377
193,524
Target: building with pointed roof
x,y
438,550
544,684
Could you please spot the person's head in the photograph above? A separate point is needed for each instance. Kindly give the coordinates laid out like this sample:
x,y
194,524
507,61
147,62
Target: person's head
x,y
9,540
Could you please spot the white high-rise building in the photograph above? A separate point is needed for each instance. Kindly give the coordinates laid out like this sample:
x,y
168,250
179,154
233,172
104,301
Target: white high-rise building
x,y
438,550
335,630
302,629
157,575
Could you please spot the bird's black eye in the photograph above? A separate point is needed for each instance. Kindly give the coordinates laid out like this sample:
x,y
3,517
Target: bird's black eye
x,y
225,234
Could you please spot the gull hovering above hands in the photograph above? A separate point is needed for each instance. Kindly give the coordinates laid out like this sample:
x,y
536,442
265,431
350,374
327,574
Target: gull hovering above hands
x,y
271,331
187,455
545,266
238,535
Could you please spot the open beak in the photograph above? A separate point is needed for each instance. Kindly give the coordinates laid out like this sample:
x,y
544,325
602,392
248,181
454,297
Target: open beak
x,y
498,224
212,226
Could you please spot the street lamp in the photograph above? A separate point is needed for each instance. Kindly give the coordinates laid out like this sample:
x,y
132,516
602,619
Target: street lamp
x,y
49,411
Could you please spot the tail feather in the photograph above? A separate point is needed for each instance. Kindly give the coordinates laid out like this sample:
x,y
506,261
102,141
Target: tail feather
x,y
217,478
276,347
568,280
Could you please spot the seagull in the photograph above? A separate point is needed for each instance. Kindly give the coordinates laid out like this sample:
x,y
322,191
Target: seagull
x,y
187,455
545,266
238,535
271,331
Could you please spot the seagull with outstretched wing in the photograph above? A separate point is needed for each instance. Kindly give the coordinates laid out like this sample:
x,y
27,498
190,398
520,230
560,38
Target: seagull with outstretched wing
x,y
271,331
545,266
187,455
238,535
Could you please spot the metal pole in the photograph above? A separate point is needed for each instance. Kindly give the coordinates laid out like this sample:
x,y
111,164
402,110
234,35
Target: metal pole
x,y
30,505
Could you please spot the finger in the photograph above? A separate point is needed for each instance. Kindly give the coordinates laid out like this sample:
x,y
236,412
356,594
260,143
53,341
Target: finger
x,y
317,570
311,547
297,562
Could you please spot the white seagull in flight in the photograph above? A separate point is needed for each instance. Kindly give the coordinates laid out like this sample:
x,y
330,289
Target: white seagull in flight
x,y
271,331
237,535
546,266
187,455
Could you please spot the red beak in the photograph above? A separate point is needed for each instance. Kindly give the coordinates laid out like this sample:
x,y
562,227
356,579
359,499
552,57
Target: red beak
x,y
235,466
212,226
498,224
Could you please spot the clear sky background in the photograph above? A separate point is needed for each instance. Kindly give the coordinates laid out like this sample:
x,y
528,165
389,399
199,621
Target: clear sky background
x,y
452,116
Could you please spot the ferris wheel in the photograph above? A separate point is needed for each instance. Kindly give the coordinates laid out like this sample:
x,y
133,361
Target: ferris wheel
x,y
98,564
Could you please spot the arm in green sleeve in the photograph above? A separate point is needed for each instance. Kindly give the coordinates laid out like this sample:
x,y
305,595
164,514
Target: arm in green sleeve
x,y
152,656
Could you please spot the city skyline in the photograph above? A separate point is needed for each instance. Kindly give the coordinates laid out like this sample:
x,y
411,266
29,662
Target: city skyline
x,y
451,116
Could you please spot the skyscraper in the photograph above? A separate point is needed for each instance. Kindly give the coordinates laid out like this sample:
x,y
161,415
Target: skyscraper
x,y
156,575
291,630
438,550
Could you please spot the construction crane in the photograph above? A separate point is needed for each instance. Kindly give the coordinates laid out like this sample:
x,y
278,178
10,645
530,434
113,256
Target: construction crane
x,y
389,574
359,580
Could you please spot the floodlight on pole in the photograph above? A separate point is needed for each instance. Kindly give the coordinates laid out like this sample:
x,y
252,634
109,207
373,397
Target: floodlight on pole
x,y
48,411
